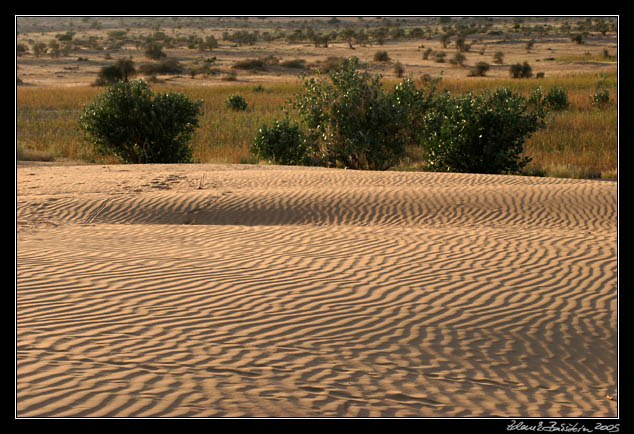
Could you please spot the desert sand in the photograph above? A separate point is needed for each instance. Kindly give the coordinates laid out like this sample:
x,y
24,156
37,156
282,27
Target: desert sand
x,y
268,291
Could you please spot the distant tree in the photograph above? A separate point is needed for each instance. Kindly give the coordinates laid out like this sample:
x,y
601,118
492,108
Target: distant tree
x,y
577,37
54,48
444,39
480,69
209,43
68,36
348,35
521,70
21,49
461,45
459,59
121,70
39,48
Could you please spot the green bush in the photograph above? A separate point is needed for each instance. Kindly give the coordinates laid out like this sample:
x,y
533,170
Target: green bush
x,y
353,122
283,143
133,123
236,102
557,99
600,98
480,133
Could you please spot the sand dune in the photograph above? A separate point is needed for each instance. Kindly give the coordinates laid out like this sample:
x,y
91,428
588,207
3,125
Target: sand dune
x,y
267,291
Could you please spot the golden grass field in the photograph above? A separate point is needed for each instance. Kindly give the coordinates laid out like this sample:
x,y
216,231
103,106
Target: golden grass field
x,y
227,290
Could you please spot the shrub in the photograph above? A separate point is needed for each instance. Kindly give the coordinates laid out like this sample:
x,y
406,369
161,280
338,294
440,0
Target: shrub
x,y
209,43
480,133
459,59
21,49
139,126
353,122
381,56
331,63
439,56
480,69
521,70
399,70
283,143
250,65
154,51
236,102
294,63
600,98
557,99
230,76
39,49
577,37
121,70
165,66
498,57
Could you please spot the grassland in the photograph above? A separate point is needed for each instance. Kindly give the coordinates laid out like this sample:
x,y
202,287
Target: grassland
x,y
581,141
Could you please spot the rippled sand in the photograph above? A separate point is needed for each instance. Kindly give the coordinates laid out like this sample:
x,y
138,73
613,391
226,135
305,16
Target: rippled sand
x,y
265,291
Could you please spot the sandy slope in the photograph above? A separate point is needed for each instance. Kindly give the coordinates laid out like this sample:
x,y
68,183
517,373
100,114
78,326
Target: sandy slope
x,y
204,290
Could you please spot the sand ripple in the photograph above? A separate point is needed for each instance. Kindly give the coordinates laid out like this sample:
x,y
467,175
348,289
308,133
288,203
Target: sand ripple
x,y
204,291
